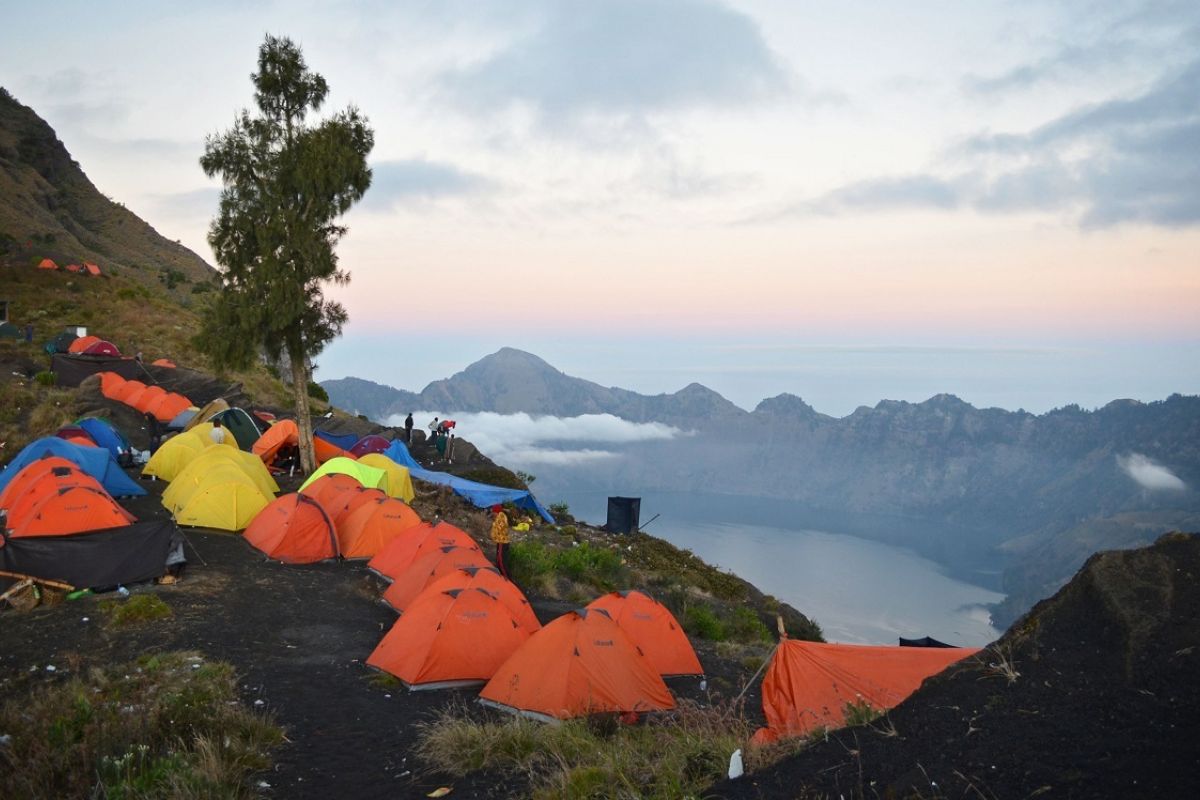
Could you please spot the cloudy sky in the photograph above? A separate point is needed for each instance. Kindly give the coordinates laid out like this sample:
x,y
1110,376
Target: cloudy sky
x,y
845,201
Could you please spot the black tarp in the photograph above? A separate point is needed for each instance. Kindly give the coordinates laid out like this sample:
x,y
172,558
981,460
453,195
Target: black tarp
x,y
924,641
70,370
137,552
624,514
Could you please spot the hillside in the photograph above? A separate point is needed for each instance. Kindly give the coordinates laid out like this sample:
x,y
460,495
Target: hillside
x,y
51,210
148,298
980,491
1092,694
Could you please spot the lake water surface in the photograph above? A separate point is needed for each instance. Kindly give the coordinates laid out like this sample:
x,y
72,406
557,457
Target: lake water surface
x,y
858,590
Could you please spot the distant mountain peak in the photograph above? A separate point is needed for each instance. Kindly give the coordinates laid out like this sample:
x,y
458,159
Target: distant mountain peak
x,y
786,405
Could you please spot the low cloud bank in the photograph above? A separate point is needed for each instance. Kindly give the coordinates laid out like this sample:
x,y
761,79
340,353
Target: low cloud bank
x,y
522,440
1148,474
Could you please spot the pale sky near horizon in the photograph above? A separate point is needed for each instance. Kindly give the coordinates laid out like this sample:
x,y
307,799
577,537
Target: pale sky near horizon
x,y
850,201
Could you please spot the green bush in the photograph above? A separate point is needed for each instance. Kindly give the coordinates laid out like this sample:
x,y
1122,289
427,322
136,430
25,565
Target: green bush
x,y
701,621
45,378
560,509
745,626
528,562
317,391
596,565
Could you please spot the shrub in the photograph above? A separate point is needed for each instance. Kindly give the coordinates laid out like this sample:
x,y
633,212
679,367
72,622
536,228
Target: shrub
x,y
585,563
189,737
45,378
317,391
560,509
701,621
529,562
745,626
525,477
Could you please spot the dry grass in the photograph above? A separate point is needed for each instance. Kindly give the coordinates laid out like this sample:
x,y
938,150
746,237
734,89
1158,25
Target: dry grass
x,y
168,725
670,756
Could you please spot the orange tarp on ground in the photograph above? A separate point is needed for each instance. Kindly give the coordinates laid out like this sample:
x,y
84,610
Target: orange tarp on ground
x,y
581,663
295,529
83,343
401,552
369,529
426,570
491,581
162,362
809,684
654,629
449,638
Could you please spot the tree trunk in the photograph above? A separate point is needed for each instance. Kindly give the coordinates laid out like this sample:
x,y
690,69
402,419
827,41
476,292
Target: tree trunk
x,y
308,456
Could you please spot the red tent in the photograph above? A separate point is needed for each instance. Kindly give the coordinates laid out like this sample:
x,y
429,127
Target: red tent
x,y
102,348
581,663
809,684
73,268
81,344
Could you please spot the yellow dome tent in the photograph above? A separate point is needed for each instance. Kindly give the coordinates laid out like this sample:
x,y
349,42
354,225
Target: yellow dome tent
x,y
178,451
399,482
197,470
226,499
370,477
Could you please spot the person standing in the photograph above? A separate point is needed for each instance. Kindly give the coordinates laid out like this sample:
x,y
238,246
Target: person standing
x,y
408,426
500,538
217,434
433,429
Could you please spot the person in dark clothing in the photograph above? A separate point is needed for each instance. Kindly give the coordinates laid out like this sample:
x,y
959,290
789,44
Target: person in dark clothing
x,y
408,426
155,431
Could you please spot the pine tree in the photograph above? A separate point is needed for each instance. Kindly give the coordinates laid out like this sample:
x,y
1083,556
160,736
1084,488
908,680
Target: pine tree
x,y
286,184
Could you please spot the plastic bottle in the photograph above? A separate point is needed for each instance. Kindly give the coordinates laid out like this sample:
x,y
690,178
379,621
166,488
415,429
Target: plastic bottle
x,y
78,593
121,590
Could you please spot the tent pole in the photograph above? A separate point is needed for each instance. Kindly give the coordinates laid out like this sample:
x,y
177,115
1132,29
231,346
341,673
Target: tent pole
x,y
766,661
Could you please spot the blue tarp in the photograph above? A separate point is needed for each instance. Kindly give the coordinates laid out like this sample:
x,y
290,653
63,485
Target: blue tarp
x,y
95,461
105,435
344,441
480,494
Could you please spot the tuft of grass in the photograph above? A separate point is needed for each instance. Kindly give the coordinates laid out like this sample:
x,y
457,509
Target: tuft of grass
x,y
168,725
860,712
137,609
669,756
534,564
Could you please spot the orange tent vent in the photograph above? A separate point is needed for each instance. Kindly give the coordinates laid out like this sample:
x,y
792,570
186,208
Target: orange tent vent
x,y
654,629
369,529
427,569
293,529
491,581
452,638
581,663
401,552
809,684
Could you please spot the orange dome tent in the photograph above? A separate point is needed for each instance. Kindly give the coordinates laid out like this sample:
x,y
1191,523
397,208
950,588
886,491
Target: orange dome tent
x,y
91,268
809,684
366,531
65,501
491,581
401,552
427,569
127,391
146,397
328,488
581,663
47,263
654,629
284,433
73,268
166,407
110,384
452,638
83,343
346,503
294,529
24,481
